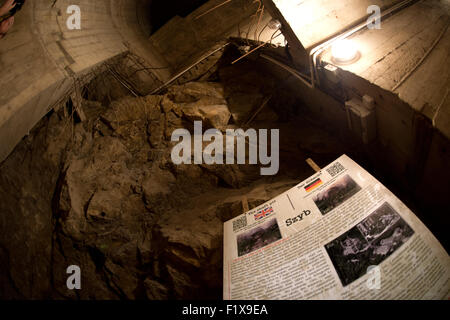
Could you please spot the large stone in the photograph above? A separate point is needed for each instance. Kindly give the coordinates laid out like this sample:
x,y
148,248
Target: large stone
x,y
215,116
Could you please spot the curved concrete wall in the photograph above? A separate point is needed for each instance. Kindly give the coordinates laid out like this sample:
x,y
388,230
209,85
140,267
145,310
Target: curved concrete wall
x,y
40,57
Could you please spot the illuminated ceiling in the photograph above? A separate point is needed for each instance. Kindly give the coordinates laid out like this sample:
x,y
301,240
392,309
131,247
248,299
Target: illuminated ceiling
x,y
314,21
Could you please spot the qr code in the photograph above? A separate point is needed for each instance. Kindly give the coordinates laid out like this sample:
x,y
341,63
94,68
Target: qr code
x,y
335,169
239,223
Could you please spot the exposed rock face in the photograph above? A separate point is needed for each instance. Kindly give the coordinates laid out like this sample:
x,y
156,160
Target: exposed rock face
x,y
104,195
27,181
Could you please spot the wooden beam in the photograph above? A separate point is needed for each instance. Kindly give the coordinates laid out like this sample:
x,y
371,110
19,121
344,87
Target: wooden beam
x,y
313,165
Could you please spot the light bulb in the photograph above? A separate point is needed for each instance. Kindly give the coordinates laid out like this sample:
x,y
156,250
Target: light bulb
x,y
344,51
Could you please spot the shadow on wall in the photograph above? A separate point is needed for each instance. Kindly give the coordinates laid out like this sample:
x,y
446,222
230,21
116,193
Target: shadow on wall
x,y
160,12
